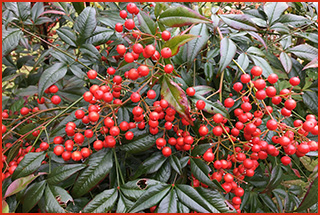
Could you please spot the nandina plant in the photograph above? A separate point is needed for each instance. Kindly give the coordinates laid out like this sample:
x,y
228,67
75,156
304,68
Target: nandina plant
x,y
159,107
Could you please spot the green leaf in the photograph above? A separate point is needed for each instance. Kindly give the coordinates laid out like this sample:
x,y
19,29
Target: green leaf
x,y
294,21
13,152
181,16
63,172
211,107
163,174
200,149
123,204
310,198
85,24
36,10
193,47
201,170
286,62
208,71
67,35
309,163
176,97
29,164
227,52
169,203
78,6
310,99
99,165
147,25
100,36
239,22
304,51
20,9
51,203
150,198
5,206
19,184
102,203
243,61
151,165
279,27
274,10
33,195
203,89
10,39
214,198
134,189
275,178
191,198
312,64
182,208
268,202
141,142
175,163
176,42
260,61
90,51
50,76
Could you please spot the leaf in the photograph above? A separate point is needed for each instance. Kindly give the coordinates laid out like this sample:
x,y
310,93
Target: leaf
x,y
66,34
275,178
78,6
29,164
63,172
203,89
151,165
227,52
51,203
176,42
140,143
163,174
310,99
215,199
294,21
274,10
191,198
5,206
286,62
99,165
85,24
50,76
33,195
175,163
19,184
36,10
312,64
259,38
211,107
21,9
134,189
176,97
147,25
181,16
310,198
208,71
260,61
269,203
239,22
194,46
201,170
243,61
169,203
100,36
304,51
308,163
10,39
102,203
150,198
123,204
90,51
200,149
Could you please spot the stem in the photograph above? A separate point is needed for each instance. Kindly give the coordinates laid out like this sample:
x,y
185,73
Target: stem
x,y
118,170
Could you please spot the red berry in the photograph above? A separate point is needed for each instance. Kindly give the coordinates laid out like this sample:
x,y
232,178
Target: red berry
x,y
123,14
128,57
150,50
208,156
290,104
237,86
203,130
294,81
44,146
256,71
166,52
273,78
79,114
129,135
55,99
200,104
168,68
285,160
166,151
129,24
239,191
131,8
151,94
271,91
229,102
190,91
121,49
53,89
272,124
165,35
76,156
135,97
58,150
245,78
114,131
260,84
24,111
228,178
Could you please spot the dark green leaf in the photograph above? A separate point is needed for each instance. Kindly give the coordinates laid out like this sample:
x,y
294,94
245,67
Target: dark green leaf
x,y
310,198
260,61
150,198
90,51
175,163
29,164
243,61
100,36
279,27
78,6
294,21
33,195
99,165
216,199
304,51
310,99
269,203
102,203
36,10
200,149
275,178
63,172
181,16
51,203
147,25
211,107
169,203
274,10
239,22
66,34
85,24
203,89
182,208
163,174
208,71
10,39
51,76
123,204
227,52
286,61
151,165
176,42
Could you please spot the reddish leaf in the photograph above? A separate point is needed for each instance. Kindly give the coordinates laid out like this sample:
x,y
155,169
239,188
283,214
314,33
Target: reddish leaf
x,y
53,12
176,42
296,172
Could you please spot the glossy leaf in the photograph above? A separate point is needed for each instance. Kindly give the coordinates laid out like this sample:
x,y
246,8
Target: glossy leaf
x,y
50,76
203,89
147,25
176,97
310,99
312,64
211,107
33,195
51,203
260,61
85,23
78,6
209,71
123,204
243,61
239,22
294,21
150,198
90,51
102,203
100,36
311,196
175,163
10,39
269,203
181,16
286,61
29,164
227,52
168,203
274,10
163,174
304,51
151,165
63,172
214,198
200,149
176,42
67,35
275,178
99,165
